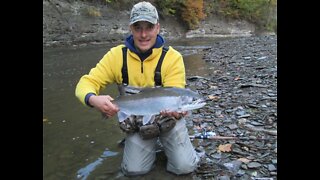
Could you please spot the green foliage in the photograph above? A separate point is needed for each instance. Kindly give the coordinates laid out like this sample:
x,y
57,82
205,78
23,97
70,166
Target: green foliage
x,y
259,12
189,11
192,13
168,7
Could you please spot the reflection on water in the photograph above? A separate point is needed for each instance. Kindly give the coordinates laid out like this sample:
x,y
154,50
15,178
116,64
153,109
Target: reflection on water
x,y
75,135
83,173
195,66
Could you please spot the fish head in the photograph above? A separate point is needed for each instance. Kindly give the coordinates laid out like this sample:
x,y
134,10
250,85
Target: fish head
x,y
189,99
191,102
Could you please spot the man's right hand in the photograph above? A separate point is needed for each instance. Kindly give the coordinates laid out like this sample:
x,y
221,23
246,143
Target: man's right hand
x,y
177,115
103,103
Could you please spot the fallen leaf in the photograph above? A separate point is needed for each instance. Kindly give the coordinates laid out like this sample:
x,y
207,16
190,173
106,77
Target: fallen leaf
x,y
212,97
224,148
237,78
244,160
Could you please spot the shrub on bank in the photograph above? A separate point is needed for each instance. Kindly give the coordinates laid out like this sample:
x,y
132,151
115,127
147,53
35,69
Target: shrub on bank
x,y
262,13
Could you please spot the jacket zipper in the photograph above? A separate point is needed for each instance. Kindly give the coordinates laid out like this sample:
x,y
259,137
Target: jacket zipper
x,y
142,67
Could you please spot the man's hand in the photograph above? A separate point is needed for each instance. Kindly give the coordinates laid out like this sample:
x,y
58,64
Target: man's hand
x,y
177,115
103,103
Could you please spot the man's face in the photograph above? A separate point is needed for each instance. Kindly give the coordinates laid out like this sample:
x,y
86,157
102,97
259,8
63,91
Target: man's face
x,y
144,34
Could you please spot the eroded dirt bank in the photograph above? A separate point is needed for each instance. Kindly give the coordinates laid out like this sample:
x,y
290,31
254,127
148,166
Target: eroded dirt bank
x,y
75,23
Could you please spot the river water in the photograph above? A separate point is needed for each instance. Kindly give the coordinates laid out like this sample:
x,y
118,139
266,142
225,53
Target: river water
x,y
77,142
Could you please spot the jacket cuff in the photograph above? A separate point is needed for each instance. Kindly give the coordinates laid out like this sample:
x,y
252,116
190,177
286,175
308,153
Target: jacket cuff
x,y
86,99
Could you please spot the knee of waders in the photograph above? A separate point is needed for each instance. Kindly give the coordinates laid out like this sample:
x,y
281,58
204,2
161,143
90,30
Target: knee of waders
x,y
183,165
135,170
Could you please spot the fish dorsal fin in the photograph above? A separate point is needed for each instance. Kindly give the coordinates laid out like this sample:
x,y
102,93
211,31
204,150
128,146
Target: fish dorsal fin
x,y
147,118
159,91
122,116
147,89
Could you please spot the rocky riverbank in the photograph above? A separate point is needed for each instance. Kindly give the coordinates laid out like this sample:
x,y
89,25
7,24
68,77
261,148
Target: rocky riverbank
x,y
241,112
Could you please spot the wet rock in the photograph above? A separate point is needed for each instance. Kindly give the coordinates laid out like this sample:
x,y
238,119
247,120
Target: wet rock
x,y
271,167
223,178
253,165
233,166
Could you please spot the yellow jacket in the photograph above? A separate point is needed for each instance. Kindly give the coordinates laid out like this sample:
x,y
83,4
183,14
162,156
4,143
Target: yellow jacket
x,y
140,73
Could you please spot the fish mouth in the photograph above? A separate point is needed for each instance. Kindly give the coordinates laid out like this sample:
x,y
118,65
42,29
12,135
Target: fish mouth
x,y
199,100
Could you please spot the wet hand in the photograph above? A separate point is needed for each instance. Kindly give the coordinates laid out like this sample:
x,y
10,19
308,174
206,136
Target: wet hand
x,y
103,103
177,115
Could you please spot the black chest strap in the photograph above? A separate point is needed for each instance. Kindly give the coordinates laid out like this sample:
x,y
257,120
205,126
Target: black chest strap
x,y
157,73
124,69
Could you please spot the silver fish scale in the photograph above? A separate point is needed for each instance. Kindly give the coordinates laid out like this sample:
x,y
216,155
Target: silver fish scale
x,y
150,105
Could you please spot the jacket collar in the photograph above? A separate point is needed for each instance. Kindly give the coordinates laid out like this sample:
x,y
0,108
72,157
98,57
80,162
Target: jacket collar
x,y
130,44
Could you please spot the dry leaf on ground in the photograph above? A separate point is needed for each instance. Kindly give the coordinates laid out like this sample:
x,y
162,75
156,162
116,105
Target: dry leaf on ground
x,y
224,147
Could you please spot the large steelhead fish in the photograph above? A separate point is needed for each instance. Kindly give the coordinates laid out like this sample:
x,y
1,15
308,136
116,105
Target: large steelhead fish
x,y
150,101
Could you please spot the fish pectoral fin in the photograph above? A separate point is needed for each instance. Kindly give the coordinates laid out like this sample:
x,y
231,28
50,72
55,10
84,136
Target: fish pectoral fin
x,y
148,118
122,116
